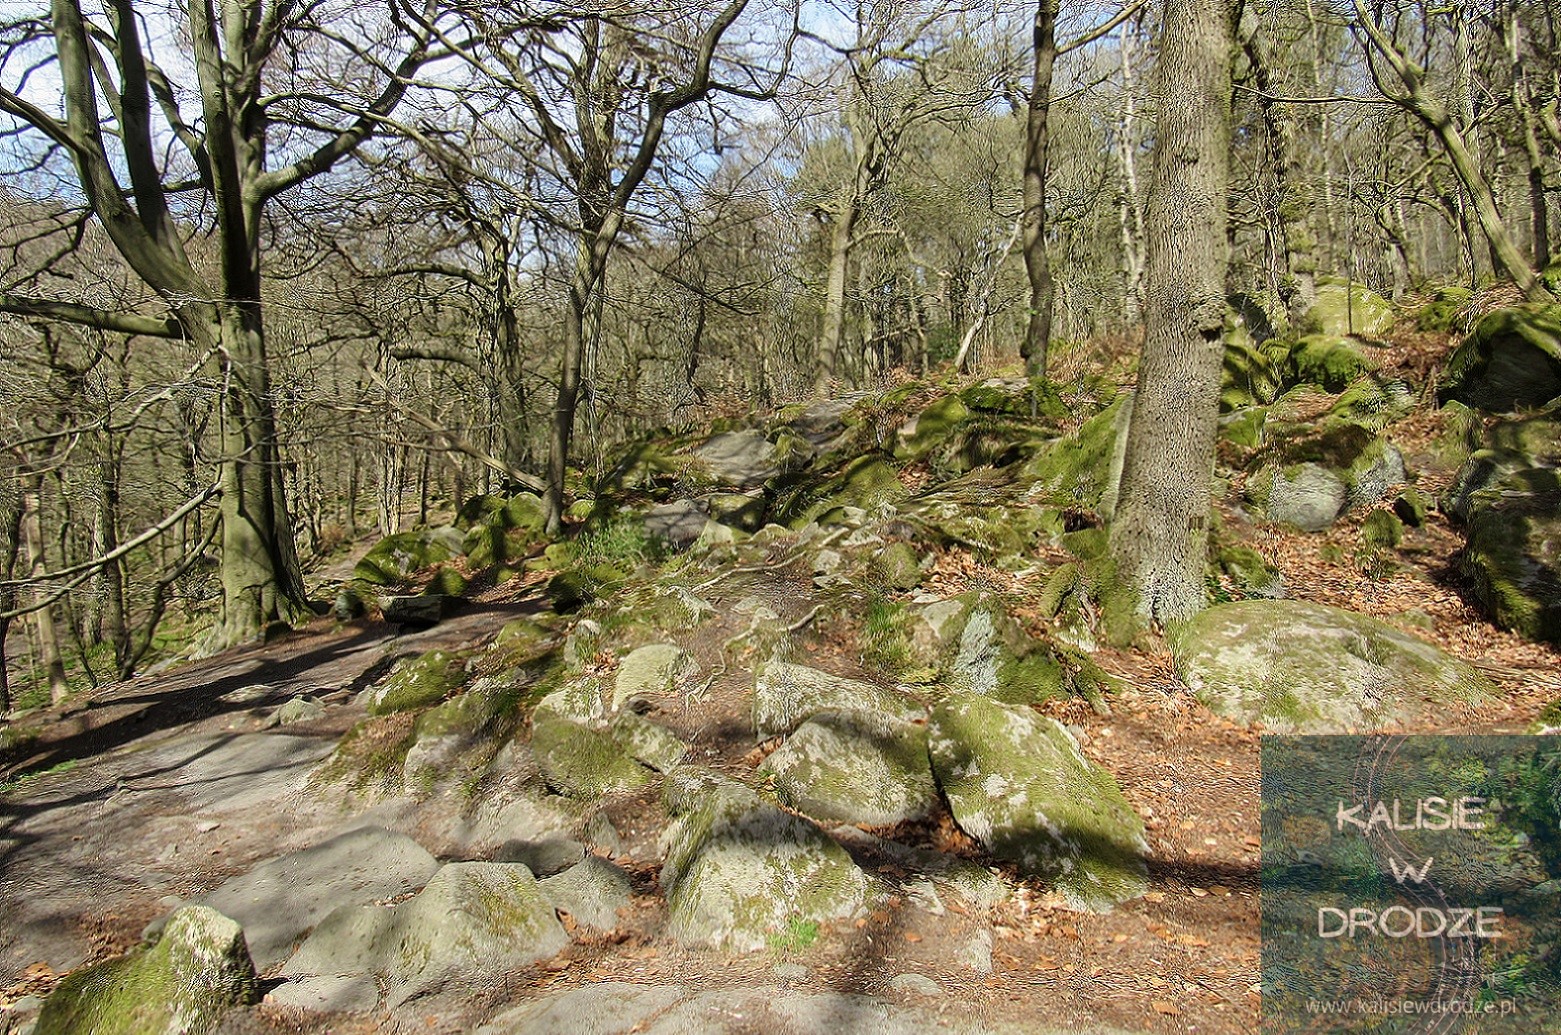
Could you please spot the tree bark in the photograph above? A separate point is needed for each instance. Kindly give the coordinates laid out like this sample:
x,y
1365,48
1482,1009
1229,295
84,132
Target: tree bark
x,y
1159,534
49,655
1037,136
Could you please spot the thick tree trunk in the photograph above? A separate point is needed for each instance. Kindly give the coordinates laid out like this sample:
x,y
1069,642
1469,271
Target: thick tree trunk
x,y
1159,534
1037,136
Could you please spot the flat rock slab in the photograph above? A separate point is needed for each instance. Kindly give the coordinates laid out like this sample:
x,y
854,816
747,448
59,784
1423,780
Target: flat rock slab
x,y
618,1008
350,993
280,900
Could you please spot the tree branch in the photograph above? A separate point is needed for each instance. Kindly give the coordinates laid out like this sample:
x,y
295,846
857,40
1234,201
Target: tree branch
x,y
87,316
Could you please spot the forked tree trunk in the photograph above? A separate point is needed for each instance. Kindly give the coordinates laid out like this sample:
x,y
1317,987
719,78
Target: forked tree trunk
x,y
1159,534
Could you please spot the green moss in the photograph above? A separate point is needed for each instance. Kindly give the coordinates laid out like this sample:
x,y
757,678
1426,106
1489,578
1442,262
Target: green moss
x,y
396,557
198,970
582,762
1446,312
1374,402
447,582
1330,362
1346,308
1382,529
417,682
1076,470
865,482
933,426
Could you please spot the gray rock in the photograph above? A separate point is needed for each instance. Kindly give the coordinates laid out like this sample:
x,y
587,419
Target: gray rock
x,y
299,709
1019,784
789,972
1298,667
647,742
652,671
331,993
592,892
474,922
744,459
785,695
976,953
1512,360
855,768
738,870
282,898
1308,496
971,881
544,857
196,972
679,522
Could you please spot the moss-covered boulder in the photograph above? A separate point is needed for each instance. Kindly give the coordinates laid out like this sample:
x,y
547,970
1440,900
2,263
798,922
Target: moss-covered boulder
x,y
897,566
1298,667
1445,311
1349,309
852,767
1513,558
416,683
736,510
648,742
573,588
1512,360
995,657
1019,784
1309,477
395,558
785,695
447,582
1327,361
1374,402
653,670
1036,399
1082,468
1250,574
930,428
1382,529
581,761
739,872
474,923
197,971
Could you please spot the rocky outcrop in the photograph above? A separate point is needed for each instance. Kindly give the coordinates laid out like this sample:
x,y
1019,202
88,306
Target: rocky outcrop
x,y
1298,667
785,695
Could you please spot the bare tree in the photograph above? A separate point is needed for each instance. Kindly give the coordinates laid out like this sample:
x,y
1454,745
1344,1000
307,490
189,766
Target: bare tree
x,y
121,112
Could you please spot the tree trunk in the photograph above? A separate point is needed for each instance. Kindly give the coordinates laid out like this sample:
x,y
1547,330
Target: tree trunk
x,y
577,321
49,655
1159,534
831,344
1037,134
1129,212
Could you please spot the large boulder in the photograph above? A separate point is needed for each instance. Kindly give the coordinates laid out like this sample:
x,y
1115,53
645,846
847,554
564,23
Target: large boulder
x,y
1298,667
1512,360
1346,308
397,557
855,768
930,428
472,924
1513,558
785,695
738,871
1018,783
197,971
583,761
678,523
742,459
865,483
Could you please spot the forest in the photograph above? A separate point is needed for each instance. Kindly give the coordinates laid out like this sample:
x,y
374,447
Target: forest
x,y
464,248
599,409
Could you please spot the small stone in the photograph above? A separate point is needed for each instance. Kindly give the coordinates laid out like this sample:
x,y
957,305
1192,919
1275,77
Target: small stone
x,y
976,953
789,972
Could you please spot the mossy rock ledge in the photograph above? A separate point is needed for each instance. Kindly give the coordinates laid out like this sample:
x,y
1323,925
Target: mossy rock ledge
x,y
1512,360
1298,667
416,683
1018,783
197,971
1514,554
785,695
738,871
